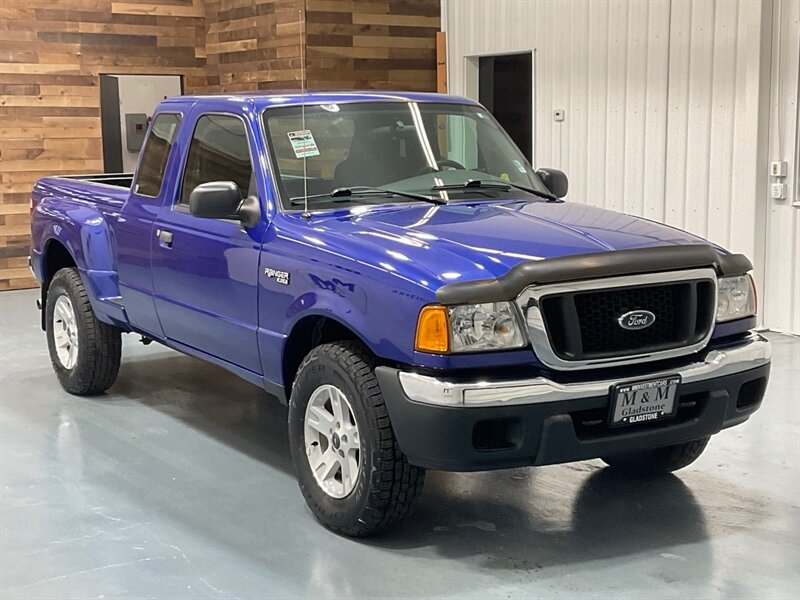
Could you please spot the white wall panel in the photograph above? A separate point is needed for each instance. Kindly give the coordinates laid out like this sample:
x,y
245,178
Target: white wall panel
x,y
597,92
637,80
656,115
677,168
664,104
781,303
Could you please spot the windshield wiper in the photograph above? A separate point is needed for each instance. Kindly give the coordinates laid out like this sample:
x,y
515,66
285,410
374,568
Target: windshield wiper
x,y
473,184
343,193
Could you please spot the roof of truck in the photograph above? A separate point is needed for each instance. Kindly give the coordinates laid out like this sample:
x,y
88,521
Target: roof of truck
x,y
293,97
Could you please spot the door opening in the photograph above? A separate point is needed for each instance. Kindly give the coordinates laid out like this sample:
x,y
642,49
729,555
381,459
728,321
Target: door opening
x,y
505,88
127,103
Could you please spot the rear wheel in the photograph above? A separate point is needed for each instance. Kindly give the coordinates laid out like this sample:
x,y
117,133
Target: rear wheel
x,y
350,469
659,461
84,351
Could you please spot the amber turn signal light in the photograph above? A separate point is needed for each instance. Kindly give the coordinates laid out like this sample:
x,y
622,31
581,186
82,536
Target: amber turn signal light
x,y
433,332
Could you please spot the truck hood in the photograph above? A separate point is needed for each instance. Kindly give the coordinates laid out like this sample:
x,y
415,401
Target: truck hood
x,y
461,241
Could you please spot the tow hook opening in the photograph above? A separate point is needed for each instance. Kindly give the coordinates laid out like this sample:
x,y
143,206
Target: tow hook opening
x,y
490,435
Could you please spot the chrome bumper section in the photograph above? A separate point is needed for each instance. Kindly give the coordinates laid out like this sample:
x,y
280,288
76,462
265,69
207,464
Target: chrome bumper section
x,y
753,352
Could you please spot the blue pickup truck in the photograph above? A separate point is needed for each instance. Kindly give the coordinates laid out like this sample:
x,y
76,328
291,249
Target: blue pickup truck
x,y
392,267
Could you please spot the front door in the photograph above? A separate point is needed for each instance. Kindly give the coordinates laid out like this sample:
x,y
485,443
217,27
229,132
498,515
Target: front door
x,y
205,271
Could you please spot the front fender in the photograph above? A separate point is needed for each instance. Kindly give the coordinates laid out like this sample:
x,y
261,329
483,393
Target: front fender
x,y
378,307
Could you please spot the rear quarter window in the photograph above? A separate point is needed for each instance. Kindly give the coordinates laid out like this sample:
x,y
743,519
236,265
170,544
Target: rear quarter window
x,y
155,154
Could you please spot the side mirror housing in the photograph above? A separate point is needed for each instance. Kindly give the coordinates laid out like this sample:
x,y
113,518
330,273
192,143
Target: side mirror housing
x,y
223,200
556,181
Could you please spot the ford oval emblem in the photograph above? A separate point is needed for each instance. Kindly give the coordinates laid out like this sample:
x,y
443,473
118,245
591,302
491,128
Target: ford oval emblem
x,y
636,319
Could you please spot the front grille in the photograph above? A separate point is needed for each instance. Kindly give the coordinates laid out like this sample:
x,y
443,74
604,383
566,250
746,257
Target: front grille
x,y
584,324
598,313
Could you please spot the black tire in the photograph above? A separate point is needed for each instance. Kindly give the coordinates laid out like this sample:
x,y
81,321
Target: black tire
x,y
387,485
659,461
99,344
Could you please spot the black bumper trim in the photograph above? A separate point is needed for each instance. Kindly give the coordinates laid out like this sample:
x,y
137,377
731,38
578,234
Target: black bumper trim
x,y
443,437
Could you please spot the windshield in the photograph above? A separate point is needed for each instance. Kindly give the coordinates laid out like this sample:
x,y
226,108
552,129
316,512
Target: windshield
x,y
409,147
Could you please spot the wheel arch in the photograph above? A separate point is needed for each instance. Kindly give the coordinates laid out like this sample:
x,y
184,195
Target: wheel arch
x,y
306,334
56,256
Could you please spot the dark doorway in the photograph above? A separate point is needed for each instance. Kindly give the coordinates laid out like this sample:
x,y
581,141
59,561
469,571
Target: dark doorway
x,y
109,121
505,87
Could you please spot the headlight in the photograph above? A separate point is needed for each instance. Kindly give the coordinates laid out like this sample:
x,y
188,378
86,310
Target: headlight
x,y
736,297
469,328
490,326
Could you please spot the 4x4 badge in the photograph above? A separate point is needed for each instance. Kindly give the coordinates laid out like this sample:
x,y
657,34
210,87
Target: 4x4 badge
x,y
636,319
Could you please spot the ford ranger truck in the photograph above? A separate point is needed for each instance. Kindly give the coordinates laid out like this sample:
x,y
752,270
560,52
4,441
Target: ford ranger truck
x,y
392,267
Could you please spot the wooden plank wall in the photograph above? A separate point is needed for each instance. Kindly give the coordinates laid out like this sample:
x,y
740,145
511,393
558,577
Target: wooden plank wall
x,y
372,44
253,44
51,55
383,44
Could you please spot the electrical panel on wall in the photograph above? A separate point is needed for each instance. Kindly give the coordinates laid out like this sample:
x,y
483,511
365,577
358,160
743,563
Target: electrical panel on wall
x,y
135,128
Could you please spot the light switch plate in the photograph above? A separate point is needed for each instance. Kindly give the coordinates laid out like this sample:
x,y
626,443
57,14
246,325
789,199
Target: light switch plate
x,y
777,191
559,114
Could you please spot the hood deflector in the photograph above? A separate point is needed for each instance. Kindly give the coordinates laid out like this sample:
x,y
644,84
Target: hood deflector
x,y
592,266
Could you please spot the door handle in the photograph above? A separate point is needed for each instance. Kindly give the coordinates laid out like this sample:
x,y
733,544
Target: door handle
x,y
164,238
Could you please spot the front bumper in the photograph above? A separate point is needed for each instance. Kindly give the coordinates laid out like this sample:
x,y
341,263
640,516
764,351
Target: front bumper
x,y
459,425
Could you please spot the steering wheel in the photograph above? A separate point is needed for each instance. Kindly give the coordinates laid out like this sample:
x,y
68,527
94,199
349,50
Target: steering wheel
x,y
442,162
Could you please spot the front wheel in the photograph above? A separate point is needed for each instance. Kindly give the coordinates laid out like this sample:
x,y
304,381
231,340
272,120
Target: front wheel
x,y
350,469
85,352
659,461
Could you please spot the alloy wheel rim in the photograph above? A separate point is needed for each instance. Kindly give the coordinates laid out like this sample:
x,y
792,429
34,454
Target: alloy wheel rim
x,y
65,332
332,441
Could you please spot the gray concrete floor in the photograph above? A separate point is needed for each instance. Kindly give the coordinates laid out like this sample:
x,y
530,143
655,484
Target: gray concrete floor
x,y
179,484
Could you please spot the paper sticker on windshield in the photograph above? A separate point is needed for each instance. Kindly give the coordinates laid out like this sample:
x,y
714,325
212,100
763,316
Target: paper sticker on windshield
x,y
303,143
519,165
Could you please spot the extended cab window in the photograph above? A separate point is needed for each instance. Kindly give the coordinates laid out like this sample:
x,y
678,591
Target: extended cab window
x,y
219,152
156,151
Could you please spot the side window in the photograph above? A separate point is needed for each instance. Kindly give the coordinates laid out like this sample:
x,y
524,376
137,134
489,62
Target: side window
x,y
155,154
218,152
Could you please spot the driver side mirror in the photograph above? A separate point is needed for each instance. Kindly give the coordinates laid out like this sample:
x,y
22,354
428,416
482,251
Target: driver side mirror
x,y
556,181
223,200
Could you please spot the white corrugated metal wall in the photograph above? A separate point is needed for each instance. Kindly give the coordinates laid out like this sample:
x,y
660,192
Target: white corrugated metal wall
x,y
664,104
781,302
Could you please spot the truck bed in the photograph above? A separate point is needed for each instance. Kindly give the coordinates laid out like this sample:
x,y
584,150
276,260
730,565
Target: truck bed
x,y
123,180
110,190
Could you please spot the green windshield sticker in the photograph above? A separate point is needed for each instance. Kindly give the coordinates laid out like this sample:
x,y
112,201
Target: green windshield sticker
x,y
303,143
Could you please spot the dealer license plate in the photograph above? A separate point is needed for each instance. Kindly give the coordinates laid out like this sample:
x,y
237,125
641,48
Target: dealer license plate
x,y
644,401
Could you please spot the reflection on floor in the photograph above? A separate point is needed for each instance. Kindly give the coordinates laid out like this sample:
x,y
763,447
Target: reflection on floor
x,y
179,484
